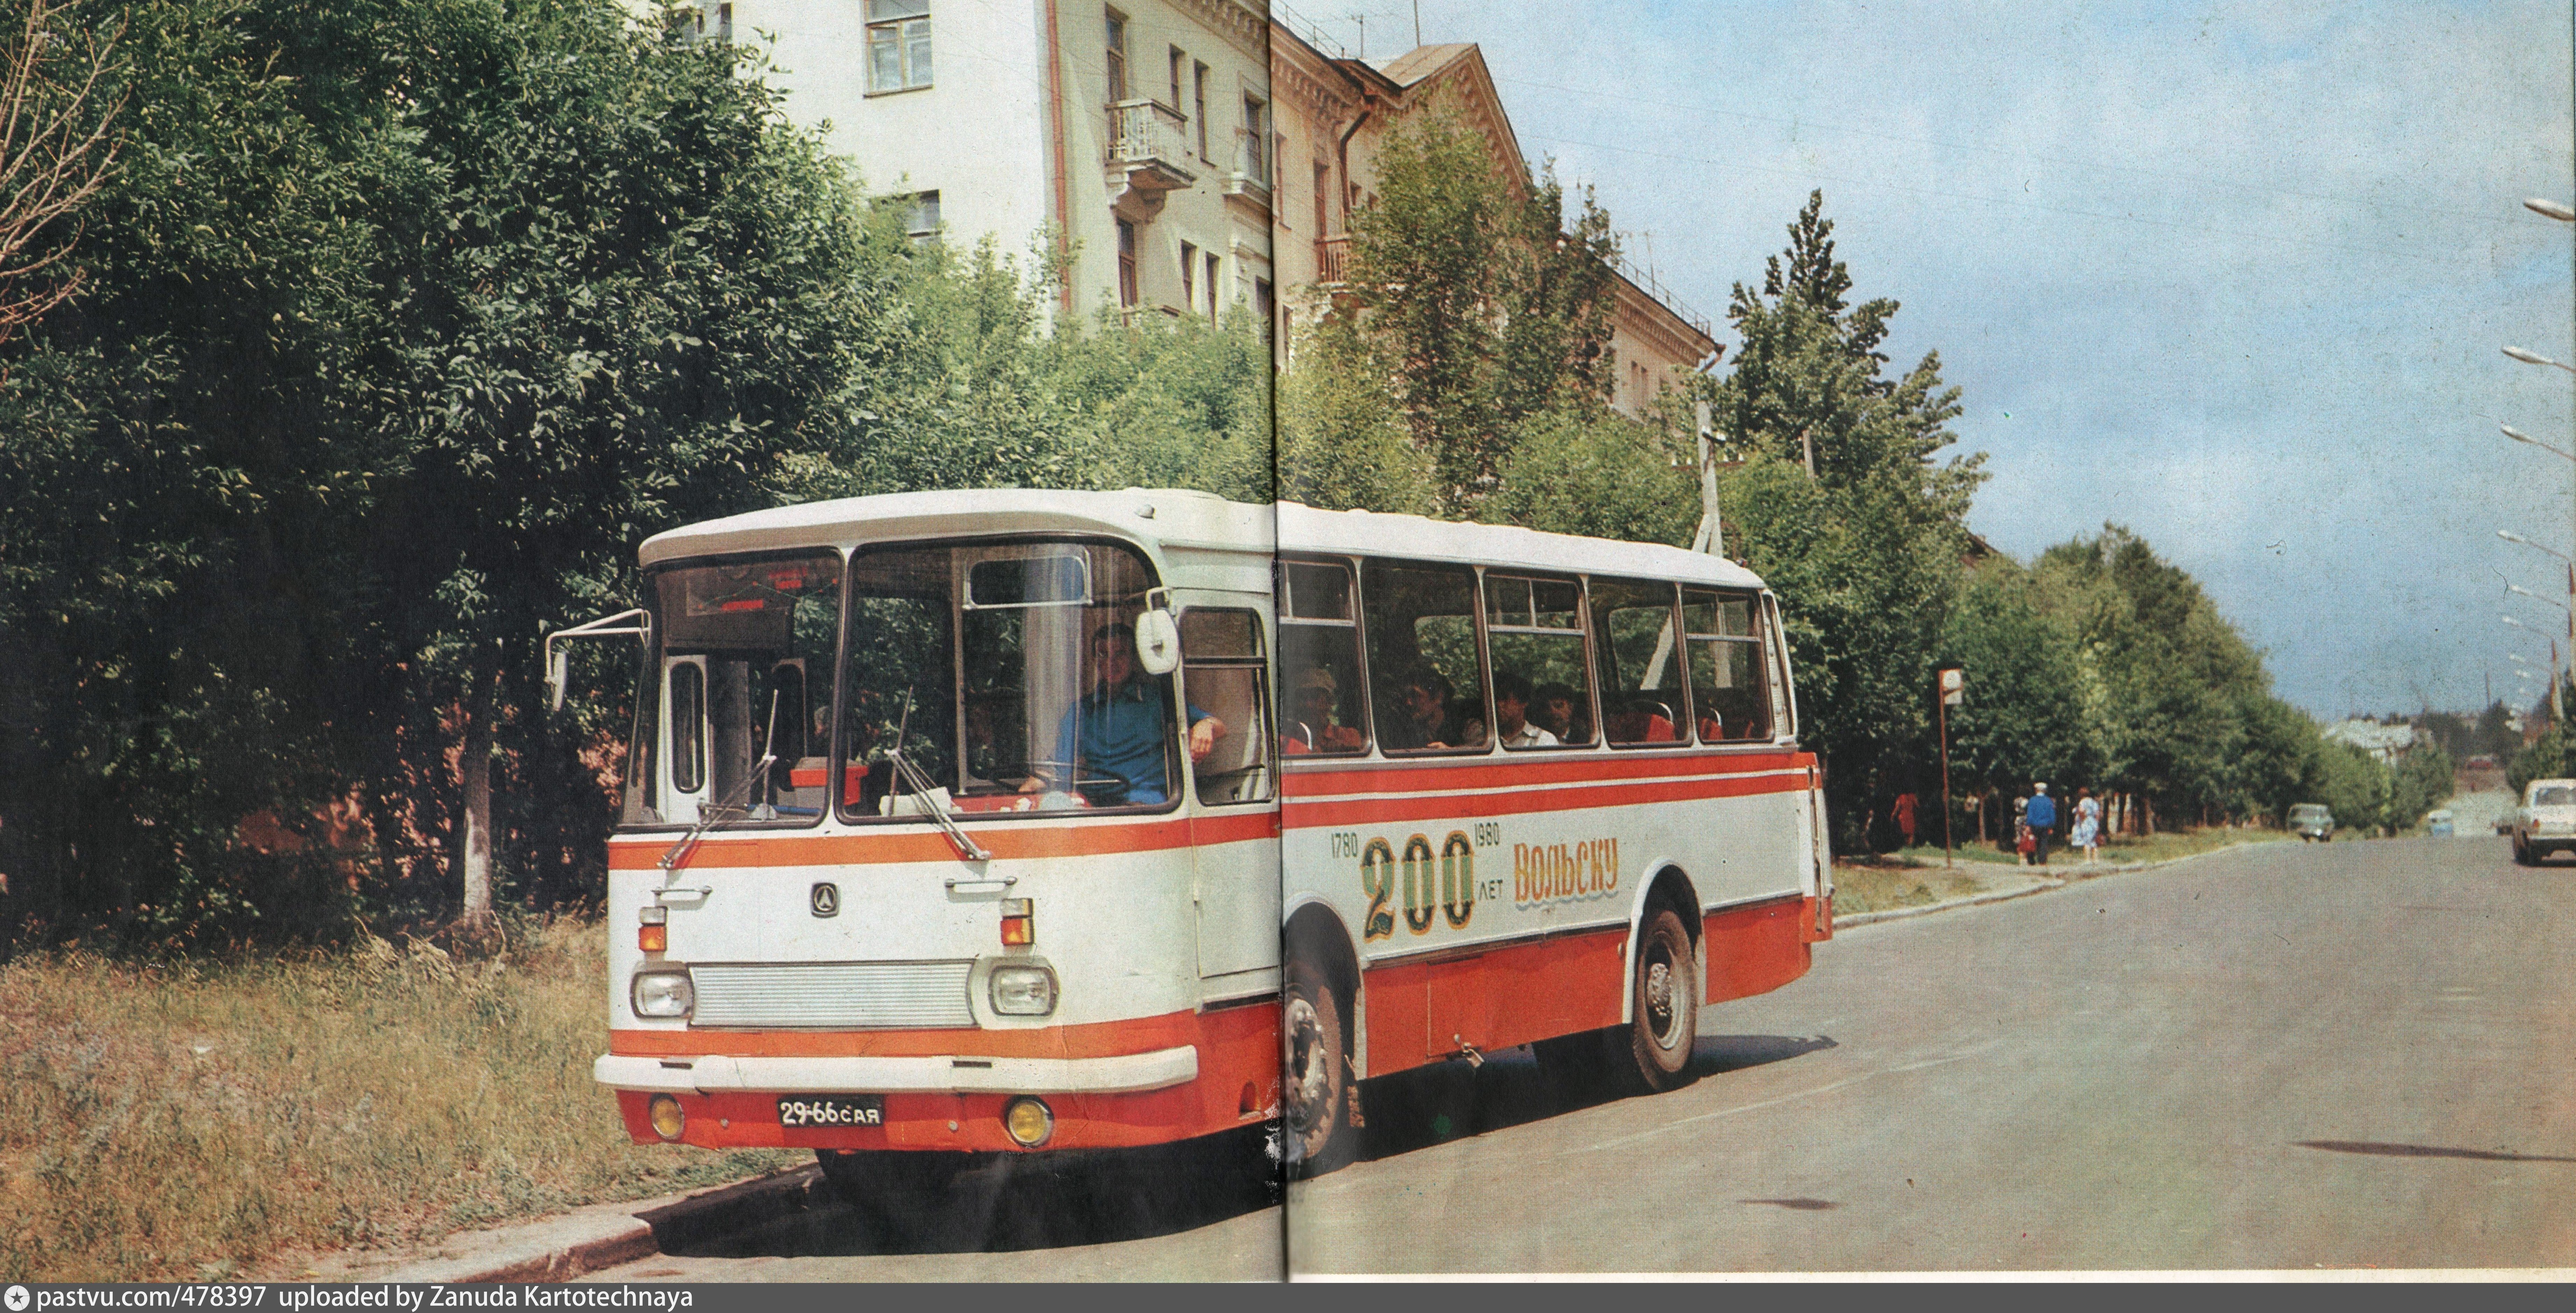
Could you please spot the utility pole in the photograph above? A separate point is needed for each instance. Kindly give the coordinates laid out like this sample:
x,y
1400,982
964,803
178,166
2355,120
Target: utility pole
x,y
1711,537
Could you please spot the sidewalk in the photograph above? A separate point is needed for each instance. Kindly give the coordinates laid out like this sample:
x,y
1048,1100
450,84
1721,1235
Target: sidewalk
x,y
1986,877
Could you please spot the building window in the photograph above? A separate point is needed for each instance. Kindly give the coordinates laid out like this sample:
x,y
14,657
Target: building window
x,y
1256,140
1177,59
1126,265
1265,303
1190,277
1116,58
898,45
923,224
1323,190
1200,78
1211,285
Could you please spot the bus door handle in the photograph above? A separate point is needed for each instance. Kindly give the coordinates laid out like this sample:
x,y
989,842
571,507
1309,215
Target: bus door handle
x,y
1002,881
686,891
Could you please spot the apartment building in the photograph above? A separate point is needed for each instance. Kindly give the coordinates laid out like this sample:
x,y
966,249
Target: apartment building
x,y
1143,138
1134,136
1333,112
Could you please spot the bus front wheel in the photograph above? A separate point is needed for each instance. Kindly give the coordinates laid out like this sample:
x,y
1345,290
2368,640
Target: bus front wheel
x,y
1663,1003
1317,1040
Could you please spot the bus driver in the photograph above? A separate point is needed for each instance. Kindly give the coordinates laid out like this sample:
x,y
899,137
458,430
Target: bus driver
x,y
1118,727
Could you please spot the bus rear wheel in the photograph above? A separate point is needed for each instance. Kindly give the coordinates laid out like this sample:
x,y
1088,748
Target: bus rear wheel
x,y
1315,1065
1663,1003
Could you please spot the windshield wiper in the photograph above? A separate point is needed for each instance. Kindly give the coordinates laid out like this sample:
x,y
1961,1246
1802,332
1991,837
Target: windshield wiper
x,y
922,789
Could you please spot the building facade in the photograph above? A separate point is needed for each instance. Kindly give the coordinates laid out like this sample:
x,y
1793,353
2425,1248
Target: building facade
x,y
1141,144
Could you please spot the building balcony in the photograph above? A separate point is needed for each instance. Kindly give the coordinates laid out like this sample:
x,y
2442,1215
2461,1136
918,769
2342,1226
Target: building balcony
x,y
1148,157
1333,260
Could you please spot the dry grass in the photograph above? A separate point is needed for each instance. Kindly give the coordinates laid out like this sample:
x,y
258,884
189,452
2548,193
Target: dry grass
x,y
194,1120
1877,887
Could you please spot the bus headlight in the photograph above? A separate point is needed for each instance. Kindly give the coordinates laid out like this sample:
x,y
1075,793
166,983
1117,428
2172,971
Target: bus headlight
x,y
1022,991
662,994
1028,1121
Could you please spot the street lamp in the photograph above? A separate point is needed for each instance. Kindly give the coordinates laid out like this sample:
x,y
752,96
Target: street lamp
x,y
2553,209
2517,588
2556,709
2510,536
2535,358
2520,436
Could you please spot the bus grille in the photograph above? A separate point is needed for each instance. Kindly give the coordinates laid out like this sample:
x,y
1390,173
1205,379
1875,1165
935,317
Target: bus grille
x,y
833,995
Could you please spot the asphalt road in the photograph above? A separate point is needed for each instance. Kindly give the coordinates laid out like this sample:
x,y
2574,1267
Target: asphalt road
x,y
2287,1056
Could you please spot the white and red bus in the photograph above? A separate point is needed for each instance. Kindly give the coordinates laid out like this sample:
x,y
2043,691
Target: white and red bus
x,y
974,823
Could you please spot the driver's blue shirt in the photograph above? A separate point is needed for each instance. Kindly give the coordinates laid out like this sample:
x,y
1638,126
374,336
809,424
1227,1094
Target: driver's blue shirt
x,y
1121,731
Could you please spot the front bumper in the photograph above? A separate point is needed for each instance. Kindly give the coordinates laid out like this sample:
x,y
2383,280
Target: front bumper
x,y
1126,1074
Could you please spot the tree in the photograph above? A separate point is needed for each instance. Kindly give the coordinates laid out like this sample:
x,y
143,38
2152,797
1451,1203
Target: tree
x,y
56,115
1866,552
630,291
1476,301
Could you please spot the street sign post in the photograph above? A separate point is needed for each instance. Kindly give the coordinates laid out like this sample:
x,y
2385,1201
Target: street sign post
x,y
1953,691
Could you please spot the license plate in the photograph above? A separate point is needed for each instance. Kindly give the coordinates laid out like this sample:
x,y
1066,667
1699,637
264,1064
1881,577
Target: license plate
x,y
832,1110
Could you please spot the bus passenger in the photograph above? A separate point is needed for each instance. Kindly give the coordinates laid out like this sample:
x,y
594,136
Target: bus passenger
x,y
1511,714
1422,719
1555,711
1312,729
1120,728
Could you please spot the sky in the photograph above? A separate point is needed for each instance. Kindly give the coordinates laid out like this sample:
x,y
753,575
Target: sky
x,y
2236,276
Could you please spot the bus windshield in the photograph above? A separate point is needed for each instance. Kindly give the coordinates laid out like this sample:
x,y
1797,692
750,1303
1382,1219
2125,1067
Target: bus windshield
x,y
1006,675
745,647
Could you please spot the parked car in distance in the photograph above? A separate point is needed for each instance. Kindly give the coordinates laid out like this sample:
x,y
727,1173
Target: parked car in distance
x,y
2437,824
2546,821
2313,822
2480,762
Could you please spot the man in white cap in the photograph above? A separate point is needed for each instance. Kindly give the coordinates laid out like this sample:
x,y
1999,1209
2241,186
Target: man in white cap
x,y
2042,817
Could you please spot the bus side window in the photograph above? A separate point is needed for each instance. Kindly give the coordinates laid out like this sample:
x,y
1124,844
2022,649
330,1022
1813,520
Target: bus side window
x,y
1222,674
1641,669
1542,685
1323,708
1726,663
1430,685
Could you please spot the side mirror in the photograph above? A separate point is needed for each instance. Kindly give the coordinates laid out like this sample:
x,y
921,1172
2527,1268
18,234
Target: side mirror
x,y
558,662
1158,642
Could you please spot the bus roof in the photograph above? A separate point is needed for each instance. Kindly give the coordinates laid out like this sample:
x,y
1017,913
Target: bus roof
x,y
1179,517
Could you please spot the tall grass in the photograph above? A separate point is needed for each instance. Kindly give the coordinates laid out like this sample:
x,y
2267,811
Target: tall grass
x,y
190,1120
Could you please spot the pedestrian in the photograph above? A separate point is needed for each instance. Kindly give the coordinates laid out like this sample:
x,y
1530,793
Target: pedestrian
x,y
2087,833
1903,814
2019,840
2042,814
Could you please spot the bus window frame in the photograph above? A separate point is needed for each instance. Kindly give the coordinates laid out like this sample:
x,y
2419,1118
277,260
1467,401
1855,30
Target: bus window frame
x,y
1583,638
1265,766
1475,572
1684,729
1775,641
1175,761
1358,625
1757,641
662,787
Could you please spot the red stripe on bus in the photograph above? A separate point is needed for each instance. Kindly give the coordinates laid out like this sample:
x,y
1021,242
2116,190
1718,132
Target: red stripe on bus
x,y
1015,842
1535,768
1363,811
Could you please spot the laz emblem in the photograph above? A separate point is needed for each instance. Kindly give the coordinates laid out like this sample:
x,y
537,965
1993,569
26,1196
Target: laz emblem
x,y
826,899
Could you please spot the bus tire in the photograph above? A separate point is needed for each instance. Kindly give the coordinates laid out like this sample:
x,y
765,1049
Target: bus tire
x,y
898,1192
1315,1067
1663,1003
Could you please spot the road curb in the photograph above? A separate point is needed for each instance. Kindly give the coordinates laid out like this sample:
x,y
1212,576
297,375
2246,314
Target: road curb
x,y
2045,883
603,1236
